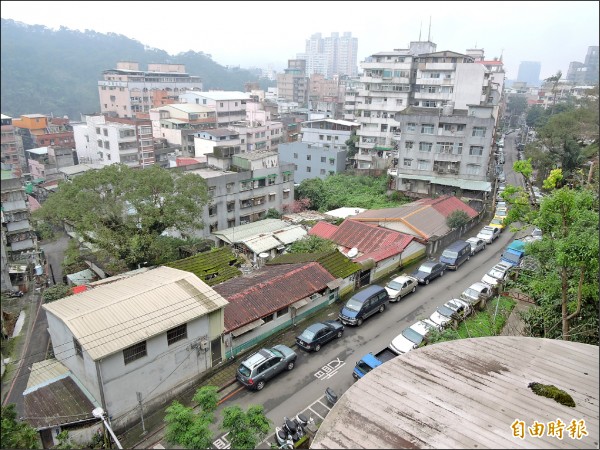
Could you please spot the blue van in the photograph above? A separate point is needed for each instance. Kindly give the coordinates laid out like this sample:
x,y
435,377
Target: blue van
x,y
364,304
455,254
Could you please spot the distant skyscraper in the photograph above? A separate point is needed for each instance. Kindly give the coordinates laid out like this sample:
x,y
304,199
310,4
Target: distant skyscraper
x,y
529,72
332,55
586,72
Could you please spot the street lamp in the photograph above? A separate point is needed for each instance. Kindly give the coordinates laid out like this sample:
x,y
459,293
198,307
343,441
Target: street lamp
x,y
100,414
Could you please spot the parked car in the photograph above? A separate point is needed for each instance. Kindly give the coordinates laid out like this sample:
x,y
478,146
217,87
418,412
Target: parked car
x,y
363,304
497,222
450,313
320,333
456,254
497,274
501,212
477,244
489,234
412,337
401,286
502,177
477,294
258,368
429,271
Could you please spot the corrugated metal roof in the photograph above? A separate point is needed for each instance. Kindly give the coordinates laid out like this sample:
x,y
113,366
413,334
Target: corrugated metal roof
x,y
17,205
242,232
115,315
261,244
55,397
290,234
17,226
268,290
323,230
22,245
466,394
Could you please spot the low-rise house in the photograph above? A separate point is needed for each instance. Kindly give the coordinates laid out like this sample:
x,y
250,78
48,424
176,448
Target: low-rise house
x,y
425,219
340,266
378,250
212,267
271,299
151,331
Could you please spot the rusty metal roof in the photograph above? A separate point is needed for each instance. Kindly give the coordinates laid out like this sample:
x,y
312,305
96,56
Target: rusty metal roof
x,y
270,289
466,394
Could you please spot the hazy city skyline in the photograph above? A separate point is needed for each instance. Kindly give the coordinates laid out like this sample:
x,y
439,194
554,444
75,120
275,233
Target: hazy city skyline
x,y
248,34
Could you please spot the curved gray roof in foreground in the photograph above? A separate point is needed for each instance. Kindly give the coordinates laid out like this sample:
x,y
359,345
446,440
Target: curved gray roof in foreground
x,y
466,394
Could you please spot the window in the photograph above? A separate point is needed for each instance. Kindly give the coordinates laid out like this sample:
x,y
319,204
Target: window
x,y
177,334
323,158
229,187
427,128
212,210
322,172
78,349
411,127
479,131
308,168
422,164
105,132
308,157
331,161
425,146
460,127
444,147
430,89
408,145
473,169
230,206
213,227
321,137
286,193
295,155
407,162
134,352
475,150
429,103
268,318
283,311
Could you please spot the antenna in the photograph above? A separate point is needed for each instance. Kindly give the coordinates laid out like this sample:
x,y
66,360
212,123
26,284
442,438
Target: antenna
x,y
420,26
429,35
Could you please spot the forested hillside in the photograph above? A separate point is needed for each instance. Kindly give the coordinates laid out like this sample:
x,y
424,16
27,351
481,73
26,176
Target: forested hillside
x,y
56,72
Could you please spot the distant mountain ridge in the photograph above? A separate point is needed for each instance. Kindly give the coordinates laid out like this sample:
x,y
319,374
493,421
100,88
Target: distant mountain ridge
x,y
57,72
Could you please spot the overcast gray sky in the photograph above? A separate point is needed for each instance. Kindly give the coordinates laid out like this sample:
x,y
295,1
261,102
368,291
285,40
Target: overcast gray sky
x,y
259,34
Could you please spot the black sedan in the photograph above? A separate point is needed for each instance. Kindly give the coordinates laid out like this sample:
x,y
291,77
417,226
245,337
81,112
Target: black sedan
x,y
429,271
319,333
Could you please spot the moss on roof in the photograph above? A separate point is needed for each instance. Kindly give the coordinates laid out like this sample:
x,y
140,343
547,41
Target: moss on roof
x,y
337,264
212,267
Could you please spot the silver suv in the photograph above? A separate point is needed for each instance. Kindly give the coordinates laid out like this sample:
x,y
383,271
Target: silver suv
x,y
263,365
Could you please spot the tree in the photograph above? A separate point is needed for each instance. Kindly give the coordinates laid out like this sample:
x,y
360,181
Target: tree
x,y
73,260
565,285
246,429
272,213
64,441
192,430
351,145
312,244
516,104
314,190
56,292
131,209
189,429
523,166
554,79
457,219
14,433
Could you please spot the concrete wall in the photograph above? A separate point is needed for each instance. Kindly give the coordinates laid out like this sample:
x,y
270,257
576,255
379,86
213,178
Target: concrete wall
x,y
298,152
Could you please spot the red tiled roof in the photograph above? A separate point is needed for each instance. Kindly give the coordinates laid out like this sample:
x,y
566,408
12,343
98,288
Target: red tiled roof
x,y
447,204
385,252
269,290
33,203
365,237
323,230
186,161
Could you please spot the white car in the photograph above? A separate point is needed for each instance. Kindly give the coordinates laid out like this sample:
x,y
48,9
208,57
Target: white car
x,y
497,274
412,337
401,286
477,294
489,234
477,244
452,311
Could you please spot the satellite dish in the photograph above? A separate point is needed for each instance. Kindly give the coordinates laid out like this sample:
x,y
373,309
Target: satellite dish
x,y
263,255
353,252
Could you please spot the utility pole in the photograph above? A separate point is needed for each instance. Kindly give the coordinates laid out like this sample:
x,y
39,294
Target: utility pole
x,y
139,398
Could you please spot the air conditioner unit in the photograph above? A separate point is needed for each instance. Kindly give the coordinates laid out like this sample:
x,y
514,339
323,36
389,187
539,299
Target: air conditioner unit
x,y
204,344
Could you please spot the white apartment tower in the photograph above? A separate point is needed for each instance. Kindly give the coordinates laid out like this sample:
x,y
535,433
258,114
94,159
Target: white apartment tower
x,y
332,55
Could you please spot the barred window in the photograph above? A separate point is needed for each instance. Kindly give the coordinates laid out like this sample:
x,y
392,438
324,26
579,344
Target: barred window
x,y
177,334
134,352
78,349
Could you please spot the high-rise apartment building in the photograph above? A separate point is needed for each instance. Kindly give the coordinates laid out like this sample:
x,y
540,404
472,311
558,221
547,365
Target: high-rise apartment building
x,y
13,156
292,85
586,72
407,93
529,72
127,91
329,56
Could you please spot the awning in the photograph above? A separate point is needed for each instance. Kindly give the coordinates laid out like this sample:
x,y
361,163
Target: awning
x,y
299,304
335,284
249,326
